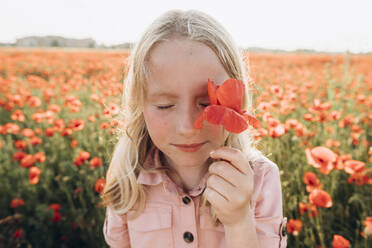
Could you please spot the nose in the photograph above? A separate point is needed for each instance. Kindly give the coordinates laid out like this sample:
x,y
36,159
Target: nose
x,y
186,118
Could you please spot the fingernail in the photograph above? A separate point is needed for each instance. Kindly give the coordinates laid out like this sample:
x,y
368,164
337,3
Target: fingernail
x,y
211,153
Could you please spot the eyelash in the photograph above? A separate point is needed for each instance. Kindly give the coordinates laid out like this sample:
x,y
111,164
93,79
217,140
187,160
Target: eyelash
x,y
167,107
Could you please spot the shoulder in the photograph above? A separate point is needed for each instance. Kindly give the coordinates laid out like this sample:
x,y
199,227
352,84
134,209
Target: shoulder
x,y
115,229
263,165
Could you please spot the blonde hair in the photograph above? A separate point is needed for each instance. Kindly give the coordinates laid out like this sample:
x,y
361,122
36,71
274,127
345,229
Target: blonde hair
x,y
122,192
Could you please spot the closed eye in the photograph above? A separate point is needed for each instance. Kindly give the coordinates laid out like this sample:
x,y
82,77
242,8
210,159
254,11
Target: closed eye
x,y
169,106
164,107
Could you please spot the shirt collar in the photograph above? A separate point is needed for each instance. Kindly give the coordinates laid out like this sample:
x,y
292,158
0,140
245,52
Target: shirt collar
x,y
152,160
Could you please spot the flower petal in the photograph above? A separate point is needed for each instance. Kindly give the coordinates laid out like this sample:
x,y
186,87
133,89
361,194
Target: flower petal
x,y
310,159
230,119
230,94
212,89
215,114
252,120
233,121
199,121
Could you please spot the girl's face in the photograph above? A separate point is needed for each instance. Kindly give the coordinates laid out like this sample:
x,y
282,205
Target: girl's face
x,y
179,69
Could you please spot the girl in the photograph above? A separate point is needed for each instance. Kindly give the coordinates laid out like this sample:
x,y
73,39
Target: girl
x,y
162,171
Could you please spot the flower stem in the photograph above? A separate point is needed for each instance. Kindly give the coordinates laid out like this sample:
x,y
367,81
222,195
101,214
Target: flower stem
x,y
223,132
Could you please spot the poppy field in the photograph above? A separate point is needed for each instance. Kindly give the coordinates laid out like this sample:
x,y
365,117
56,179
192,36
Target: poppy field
x,y
59,114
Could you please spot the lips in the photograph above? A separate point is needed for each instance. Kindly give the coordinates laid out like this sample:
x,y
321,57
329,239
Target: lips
x,y
189,145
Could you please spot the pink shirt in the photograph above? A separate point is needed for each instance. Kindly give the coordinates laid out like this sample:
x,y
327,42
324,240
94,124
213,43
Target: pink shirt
x,y
173,218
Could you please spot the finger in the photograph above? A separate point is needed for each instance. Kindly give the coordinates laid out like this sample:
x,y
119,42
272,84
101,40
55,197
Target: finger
x,y
216,199
227,172
221,186
236,157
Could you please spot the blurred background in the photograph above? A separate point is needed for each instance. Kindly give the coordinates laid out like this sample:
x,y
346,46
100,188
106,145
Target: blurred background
x,y
330,26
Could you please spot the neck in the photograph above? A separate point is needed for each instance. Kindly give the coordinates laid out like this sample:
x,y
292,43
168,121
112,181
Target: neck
x,y
187,178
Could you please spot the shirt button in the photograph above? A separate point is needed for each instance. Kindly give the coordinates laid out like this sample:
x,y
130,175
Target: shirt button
x,y
186,200
188,237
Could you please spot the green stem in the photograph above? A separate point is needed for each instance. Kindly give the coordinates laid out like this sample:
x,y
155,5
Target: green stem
x,y
223,132
319,229
69,198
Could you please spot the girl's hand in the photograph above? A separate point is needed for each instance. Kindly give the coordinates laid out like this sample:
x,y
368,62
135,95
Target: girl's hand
x,y
230,185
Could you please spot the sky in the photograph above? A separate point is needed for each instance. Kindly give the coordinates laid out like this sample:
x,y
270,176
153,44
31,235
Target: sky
x,y
323,25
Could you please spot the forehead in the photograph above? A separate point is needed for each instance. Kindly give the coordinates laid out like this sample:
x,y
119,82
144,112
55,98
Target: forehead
x,y
182,67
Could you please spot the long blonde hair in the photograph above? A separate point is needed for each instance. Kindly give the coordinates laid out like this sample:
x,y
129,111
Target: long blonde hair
x,y
122,192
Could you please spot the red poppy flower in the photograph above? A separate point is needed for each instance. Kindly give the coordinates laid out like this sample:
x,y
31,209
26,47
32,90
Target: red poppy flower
x,y
354,166
359,178
294,226
309,208
18,233
368,226
320,198
56,217
83,156
34,175
95,162
55,206
340,242
321,157
28,161
100,185
312,182
225,107
17,202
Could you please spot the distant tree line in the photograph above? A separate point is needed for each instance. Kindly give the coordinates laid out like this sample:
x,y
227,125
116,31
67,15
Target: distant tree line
x,y
58,41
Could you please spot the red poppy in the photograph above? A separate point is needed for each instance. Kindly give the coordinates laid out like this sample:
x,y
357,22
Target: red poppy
x,y
34,175
225,107
95,162
77,125
21,144
56,217
17,202
340,242
55,206
83,156
18,156
368,226
100,185
321,157
39,157
320,198
294,226
354,166
359,178
49,132
18,233
18,116
311,180
310,208
27,132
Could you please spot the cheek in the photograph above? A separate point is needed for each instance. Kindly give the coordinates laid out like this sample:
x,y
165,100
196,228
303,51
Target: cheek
x,y
214,133
157,125
213,130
